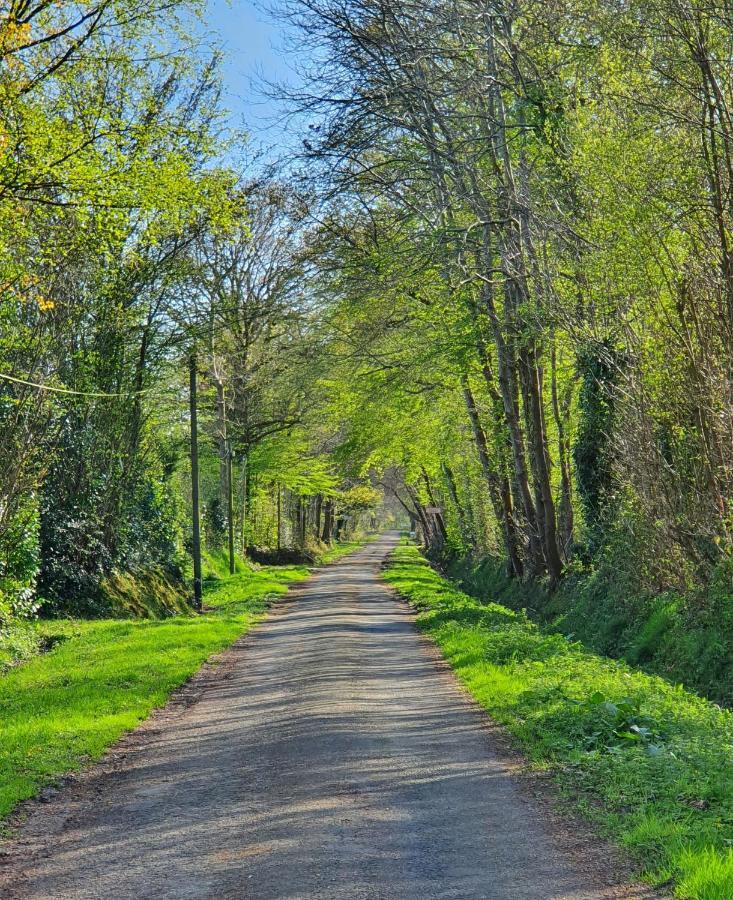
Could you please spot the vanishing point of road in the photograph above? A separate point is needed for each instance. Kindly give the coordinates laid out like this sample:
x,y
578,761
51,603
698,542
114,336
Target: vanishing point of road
x,y
329,754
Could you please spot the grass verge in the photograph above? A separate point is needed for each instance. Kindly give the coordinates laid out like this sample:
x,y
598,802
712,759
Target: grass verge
x,y
334,553
62,709
647,761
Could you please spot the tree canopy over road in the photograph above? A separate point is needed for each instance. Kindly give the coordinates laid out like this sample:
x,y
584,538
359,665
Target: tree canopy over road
x,y
489,301
497,282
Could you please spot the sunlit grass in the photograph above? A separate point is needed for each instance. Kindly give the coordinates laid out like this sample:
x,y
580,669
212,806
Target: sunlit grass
x,y
665,796
334,553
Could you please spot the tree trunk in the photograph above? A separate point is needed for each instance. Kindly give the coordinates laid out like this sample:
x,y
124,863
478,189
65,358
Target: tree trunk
x,y
245,489
450,483
565,506
327,522
499,490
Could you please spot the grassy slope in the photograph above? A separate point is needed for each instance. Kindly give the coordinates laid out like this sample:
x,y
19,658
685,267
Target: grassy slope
x,y
684,637
62,709
648,762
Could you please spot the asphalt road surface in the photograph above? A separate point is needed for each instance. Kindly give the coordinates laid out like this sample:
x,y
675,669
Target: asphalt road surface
x,y
330,754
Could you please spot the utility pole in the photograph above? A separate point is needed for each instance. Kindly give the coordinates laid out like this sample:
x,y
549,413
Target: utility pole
x,y
195,504
245,489
230,505
279,512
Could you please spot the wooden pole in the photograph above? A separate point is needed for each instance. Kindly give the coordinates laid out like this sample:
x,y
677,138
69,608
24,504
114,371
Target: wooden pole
x,y
195,502
245,505
279,514
230,506
243,510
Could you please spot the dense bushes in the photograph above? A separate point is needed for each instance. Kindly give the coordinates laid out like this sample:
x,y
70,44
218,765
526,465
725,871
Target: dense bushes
x,y
19,562
105,507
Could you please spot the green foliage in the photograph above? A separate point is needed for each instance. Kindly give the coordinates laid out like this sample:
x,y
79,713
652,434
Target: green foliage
x,y
290,461
19,564
19,641
593,447
96,519
215,522
611,725
360,497
647,761
114,100
649,632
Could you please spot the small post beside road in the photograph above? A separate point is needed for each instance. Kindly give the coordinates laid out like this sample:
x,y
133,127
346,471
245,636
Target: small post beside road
x,y
195,502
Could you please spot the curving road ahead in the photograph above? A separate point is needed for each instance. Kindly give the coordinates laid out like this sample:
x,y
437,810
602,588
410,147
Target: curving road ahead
x,y
329,755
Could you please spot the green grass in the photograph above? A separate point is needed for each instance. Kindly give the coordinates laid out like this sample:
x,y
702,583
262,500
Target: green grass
x,y
62,709
17,643
650,763
683,635
335,552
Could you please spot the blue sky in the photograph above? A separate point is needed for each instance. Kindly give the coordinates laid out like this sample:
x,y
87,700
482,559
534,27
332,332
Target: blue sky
x,y
253,43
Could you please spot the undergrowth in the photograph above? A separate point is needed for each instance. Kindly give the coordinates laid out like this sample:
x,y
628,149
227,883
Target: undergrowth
x,y
683,635
647,761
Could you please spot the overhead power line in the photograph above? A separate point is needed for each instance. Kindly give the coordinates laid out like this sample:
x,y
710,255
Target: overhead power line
x,y
60,390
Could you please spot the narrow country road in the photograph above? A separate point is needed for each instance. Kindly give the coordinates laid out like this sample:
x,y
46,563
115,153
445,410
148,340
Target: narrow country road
x,y
330,755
